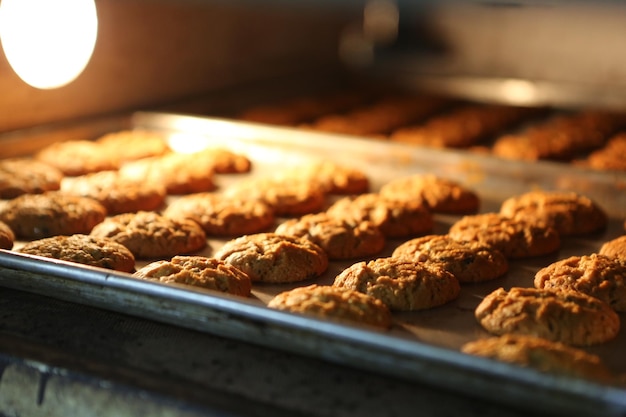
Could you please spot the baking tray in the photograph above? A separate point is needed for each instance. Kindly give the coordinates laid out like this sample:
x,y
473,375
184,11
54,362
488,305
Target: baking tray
x,y
421,346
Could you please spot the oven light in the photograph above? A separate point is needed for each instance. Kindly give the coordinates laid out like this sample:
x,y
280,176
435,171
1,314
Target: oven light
x,y
48,43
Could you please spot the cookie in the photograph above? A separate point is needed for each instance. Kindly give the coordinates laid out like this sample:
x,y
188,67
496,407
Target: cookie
x,y
35,216
333,303
400,283
467,261
223,216
272,258
286,196
463,126
516,239
614,248
83,249
298,110
568,317
567,212
561,137
179,173
340,238
27,176
595,275
198,271
225,161
79,157
116,193
133,144
610,157
150,235
332,177
440,195
540,354
7,237
394,218
381,116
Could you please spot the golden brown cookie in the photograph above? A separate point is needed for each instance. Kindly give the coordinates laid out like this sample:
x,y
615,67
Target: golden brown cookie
x,y
118,194
516,239
567,212
79,157
332,177
561,137
272,258
614,248
198,271
133,144
340,238
333,303
286,196
150,235
395,218
467,261
83,249
542,355
35,216
441,195
7,237
223,216
401,283
462,126
27,176
381,116
595,275
610,157
569,317
225,161
179,173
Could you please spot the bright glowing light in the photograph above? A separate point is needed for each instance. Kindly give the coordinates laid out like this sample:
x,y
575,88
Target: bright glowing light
x,y
48,42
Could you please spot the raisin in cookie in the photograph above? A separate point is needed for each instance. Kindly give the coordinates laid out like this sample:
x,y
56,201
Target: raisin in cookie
x,y
150,235
272,258
7,237
83,249
516,239
441,195
394,218
35,216
286,196
595,275
116,193
340,238
540,354
400,283
27,176
198,271
333,303
223,216
567,212
568,317
179,173
467,261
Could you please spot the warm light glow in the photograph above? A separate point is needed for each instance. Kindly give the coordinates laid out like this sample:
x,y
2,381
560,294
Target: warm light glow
x,y
187,142
48,42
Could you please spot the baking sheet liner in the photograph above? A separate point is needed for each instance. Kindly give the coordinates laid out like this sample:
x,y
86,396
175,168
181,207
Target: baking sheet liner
x,y
422,346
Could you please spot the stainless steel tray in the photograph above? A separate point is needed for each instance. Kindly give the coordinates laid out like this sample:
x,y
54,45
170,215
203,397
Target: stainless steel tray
x,y
421,346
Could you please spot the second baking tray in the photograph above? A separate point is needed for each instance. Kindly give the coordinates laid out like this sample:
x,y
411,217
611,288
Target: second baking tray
x,y
421,346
